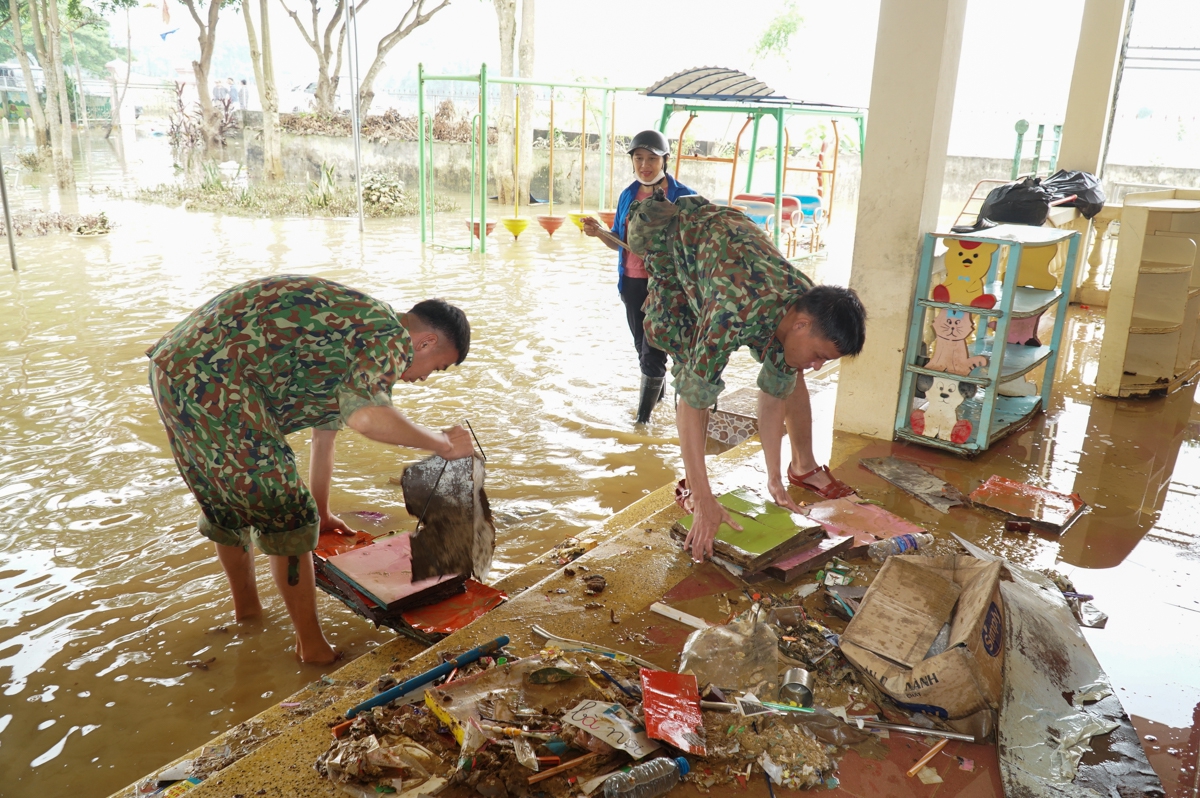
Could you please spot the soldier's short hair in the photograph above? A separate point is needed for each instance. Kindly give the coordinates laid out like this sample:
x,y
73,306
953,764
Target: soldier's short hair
x,y
838,315
447,321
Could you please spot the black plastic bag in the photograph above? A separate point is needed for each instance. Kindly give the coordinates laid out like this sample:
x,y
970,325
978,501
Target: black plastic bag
x,y
1023,202
1089,195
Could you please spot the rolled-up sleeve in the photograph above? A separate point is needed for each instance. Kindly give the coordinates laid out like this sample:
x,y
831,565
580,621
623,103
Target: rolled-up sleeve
x,y
698,391
370,378
775,381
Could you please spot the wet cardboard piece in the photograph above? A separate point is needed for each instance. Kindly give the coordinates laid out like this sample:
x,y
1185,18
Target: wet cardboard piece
x,y
769,532
1045,508
901,614
671,702
383,573
915,481
866,523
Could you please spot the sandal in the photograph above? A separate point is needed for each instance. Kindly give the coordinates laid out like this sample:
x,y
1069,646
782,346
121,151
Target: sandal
x,y
682,494
836,489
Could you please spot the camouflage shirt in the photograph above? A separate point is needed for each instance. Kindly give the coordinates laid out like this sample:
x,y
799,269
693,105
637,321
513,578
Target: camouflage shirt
x,y
717,283
314,350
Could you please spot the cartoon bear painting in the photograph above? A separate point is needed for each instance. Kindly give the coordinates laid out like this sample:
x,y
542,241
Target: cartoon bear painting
x,y
967,264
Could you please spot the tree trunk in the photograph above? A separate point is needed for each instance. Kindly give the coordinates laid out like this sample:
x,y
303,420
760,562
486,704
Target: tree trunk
x,y
525,57
44,57
413,18
66,179
506,16
264,78
329,59
210,116
35,105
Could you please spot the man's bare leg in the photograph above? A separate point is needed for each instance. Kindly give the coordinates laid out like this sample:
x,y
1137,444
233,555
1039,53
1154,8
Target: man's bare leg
x,y
297,584
798,419
238,563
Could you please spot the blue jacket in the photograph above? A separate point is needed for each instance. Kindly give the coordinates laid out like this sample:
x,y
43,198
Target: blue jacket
x,y
675,190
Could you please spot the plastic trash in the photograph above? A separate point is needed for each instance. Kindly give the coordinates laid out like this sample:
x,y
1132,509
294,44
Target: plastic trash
x,y
647,780
880,550
741,655
1089,195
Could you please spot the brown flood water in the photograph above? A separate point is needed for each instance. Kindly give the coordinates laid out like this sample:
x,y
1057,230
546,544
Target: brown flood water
x,y
106,590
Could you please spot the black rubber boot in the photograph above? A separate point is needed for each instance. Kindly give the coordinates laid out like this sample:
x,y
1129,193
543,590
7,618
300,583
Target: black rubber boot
x,y
652,390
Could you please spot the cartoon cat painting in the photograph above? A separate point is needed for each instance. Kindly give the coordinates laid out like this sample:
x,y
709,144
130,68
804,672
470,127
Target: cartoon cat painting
x,y
952,328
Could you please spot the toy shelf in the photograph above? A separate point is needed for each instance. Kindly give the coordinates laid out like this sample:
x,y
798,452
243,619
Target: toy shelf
x,y
1152,328
989,414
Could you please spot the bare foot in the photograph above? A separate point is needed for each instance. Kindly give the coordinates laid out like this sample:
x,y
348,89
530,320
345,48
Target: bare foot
x,y
252,614
319,655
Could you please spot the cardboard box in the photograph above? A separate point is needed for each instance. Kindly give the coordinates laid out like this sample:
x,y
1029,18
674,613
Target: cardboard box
x,y
904,609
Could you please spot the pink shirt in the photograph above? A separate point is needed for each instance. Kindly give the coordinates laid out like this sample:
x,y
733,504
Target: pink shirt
x,y
634,265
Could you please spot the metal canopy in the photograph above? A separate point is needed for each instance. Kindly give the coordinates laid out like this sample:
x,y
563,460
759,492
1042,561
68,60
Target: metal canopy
x,y
712,83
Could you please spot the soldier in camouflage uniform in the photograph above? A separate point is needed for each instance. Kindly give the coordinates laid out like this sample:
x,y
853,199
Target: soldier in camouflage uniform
x,y
717,283
275,356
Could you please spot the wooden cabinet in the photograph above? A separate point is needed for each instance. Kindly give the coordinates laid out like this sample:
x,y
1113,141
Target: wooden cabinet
x,y
1151,345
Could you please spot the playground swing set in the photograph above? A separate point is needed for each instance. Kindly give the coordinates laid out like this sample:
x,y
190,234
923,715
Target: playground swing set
x,y
704,90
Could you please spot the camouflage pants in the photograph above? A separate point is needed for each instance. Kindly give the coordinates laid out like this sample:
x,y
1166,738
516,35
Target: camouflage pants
x,y
239,467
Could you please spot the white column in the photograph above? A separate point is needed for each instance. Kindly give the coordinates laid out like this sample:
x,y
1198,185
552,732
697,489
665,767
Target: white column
x,y
1085,125
912,96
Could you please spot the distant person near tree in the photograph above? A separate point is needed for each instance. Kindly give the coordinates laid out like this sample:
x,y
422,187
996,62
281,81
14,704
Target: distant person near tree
x,y
243,96
220,92
649,154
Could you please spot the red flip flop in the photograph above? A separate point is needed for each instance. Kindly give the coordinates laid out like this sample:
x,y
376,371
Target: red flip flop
x,y
682,492
836,489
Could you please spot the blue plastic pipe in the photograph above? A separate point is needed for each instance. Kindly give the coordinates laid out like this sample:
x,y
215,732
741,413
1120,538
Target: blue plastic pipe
x,y
387,696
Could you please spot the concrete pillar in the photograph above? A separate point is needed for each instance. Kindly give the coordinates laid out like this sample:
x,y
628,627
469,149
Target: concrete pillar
x,y
1085,125
912,96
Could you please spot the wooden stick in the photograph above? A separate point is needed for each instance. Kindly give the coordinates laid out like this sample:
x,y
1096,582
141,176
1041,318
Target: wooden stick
x,y
930,754
545,774
678,615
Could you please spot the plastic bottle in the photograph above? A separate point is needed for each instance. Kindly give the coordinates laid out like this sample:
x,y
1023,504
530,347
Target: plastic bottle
x,y
647,780
880,550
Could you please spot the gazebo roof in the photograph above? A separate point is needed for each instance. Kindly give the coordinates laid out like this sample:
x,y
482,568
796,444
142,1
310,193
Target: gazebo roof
x,y
713,83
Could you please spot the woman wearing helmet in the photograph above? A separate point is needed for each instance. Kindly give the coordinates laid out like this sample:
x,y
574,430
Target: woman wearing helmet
x,y
649,153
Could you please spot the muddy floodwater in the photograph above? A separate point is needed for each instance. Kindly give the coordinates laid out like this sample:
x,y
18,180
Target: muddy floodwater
x,y
107,592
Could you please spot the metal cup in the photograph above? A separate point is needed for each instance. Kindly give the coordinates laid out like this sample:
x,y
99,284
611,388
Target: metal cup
x,y
796,687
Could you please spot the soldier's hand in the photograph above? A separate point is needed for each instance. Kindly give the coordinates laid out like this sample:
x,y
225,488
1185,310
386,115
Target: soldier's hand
x,y
331,523
707,517
780,495
458,444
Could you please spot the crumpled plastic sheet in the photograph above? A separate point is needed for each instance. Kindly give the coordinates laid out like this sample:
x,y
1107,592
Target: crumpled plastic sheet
x,y
741,655
1042,736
